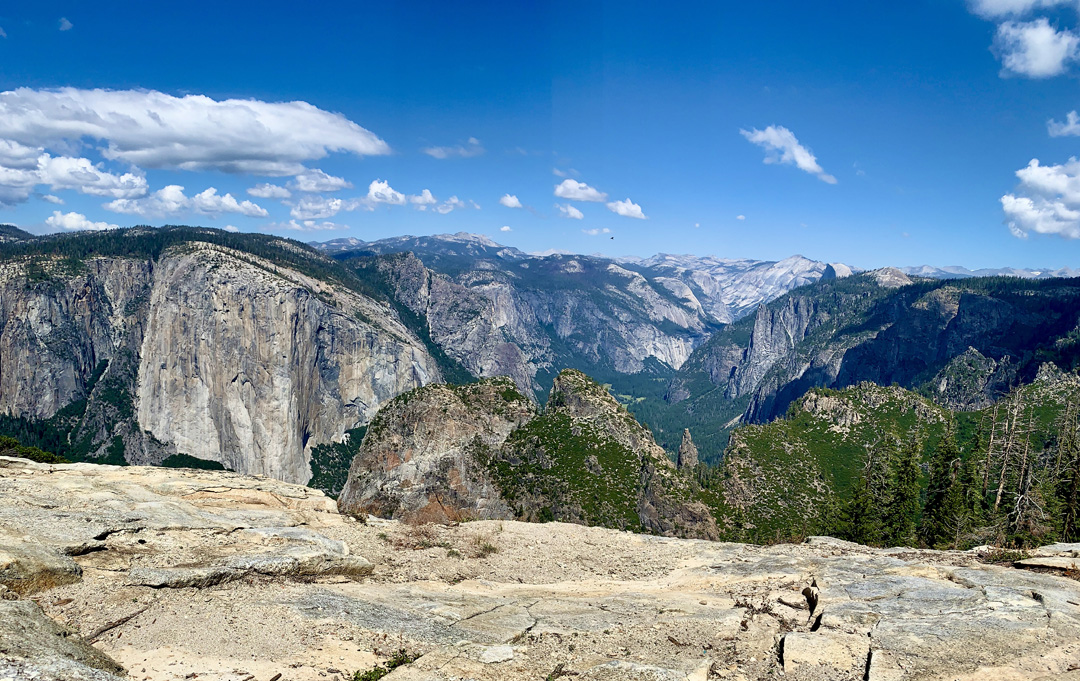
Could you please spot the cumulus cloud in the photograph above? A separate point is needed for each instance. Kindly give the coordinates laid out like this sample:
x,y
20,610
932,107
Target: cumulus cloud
x,y
76,221
568,211
1035,48
52,199
380,191
155,130
269,191
171,200
573,190
627,209
467,150
781,146
64,172
595,232
1047,200
423,200
990,9
1071,126
210,202
231,228
65,25
740,217
510,201
23,168
505,228
315,180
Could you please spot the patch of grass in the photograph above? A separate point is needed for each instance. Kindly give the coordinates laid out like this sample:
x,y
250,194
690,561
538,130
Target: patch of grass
x,y
399,659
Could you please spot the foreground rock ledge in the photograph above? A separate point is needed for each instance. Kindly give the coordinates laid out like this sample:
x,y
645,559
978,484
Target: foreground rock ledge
x,y
179,574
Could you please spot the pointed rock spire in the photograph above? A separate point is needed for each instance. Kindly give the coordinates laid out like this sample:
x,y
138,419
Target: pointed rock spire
x,y
688,454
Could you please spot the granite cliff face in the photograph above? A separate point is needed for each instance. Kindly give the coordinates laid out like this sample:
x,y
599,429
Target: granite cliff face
x,y
205,350
484,451
964,342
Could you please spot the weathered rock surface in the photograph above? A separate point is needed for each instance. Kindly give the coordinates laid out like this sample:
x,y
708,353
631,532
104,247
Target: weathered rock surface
x,y
205,351
160,527
32,646
495,600
419,460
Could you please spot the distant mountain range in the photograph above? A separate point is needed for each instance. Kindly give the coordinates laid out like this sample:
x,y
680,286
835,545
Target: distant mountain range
x,y
770,278
957,272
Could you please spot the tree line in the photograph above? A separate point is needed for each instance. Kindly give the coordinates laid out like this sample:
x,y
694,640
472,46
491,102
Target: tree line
x,y
1015,483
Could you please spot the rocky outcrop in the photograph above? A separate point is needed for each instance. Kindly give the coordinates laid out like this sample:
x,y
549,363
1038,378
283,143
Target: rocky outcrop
x,y
493,600
585,459
161,527
205,351
420,458
688,453
450,453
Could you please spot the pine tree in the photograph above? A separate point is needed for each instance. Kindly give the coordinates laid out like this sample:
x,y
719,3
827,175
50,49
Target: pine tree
x,y
1068,472
944,518
902,509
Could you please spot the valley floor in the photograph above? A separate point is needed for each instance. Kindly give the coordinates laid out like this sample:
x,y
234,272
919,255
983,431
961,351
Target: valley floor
x,y
232,578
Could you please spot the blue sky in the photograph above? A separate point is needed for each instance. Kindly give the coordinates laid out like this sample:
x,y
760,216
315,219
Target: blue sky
x,y
894,131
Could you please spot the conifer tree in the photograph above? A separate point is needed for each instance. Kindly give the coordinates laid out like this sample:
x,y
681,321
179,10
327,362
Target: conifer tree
x,y
943,515
902,509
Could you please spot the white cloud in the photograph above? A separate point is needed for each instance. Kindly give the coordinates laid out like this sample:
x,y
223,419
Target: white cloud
x,y
380,191
467,150
210,203
989,9
510,201
1047,200
231,228
76,221
65,25
568,211
315,180
1070,128
52,199
449,205
781,146
558,173
594,232
269,191
627,209
317,207
1035,48
171,200
155,130
505,228
306,225
23,168
3,34
578,191
423,200
64,172
740,217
